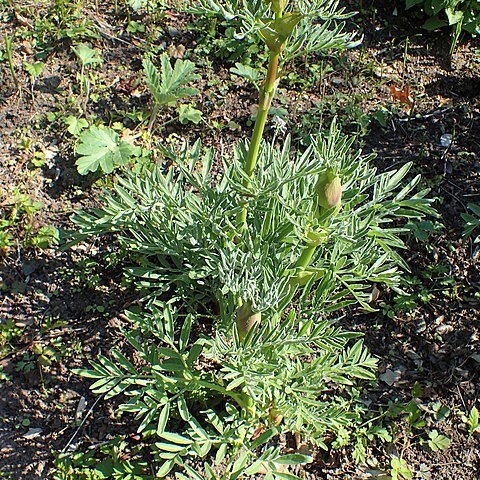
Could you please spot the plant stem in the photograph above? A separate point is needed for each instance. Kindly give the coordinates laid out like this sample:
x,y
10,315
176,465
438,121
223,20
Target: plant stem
x,y
266,95
267,92
9,54
305,257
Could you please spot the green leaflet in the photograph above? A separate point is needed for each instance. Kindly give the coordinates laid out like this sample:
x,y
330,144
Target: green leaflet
x,y
102,148
276,32
169,84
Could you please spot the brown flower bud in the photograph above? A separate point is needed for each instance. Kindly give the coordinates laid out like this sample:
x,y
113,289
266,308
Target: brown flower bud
x,y
246,319
329,190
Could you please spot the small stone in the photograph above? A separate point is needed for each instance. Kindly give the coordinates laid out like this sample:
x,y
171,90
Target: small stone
x,y
391,376
32,433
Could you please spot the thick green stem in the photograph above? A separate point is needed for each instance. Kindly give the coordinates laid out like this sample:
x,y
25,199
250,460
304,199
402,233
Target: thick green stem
x,y
305,257
267,93
243,399
303,276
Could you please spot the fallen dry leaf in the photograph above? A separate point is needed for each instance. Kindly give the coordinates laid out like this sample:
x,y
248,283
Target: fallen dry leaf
x,y
176,51
401,95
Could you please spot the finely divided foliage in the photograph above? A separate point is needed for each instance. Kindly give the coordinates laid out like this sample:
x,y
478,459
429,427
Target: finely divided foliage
x,y
169,85
206,250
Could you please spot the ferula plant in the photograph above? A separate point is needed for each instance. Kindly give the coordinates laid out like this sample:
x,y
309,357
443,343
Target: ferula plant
x,y
236,341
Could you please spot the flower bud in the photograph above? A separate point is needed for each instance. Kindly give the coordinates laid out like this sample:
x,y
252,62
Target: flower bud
x,y
246,319
329,190
275,416
278,5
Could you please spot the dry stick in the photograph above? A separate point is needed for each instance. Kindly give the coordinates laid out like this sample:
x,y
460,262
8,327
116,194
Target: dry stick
x,y
81,424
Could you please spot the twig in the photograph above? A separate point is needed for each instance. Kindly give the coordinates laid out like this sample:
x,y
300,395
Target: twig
x,y
427,115
104,28
454,196
81,424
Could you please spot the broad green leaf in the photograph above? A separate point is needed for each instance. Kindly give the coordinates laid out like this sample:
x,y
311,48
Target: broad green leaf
x,y
400,469
236,383
437,441
163,418
182,408
165,469
454,16
474,208
193,474
293,459
194,353
168,85
433,23
411,3
221,453
75,125
87,373
185,332
137,4
255,467
473,421
105,468
240,463
175,438
102,148
169,447
33,69
87,55
284,476
46,237
187,113
264,437
247,72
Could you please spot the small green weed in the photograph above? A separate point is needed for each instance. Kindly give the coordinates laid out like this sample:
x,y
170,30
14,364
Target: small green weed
x,y
10,333
18,225
400,469
56,22
219,39
34,70
460,15
169,85
472,221
472,421
437,442
89,58
113,460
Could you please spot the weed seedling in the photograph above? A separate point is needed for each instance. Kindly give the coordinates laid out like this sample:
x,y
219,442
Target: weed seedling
x,y
34,70
169,85
88,57
9,56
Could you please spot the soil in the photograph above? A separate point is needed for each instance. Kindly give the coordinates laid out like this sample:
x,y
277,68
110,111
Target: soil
x,y
73,299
